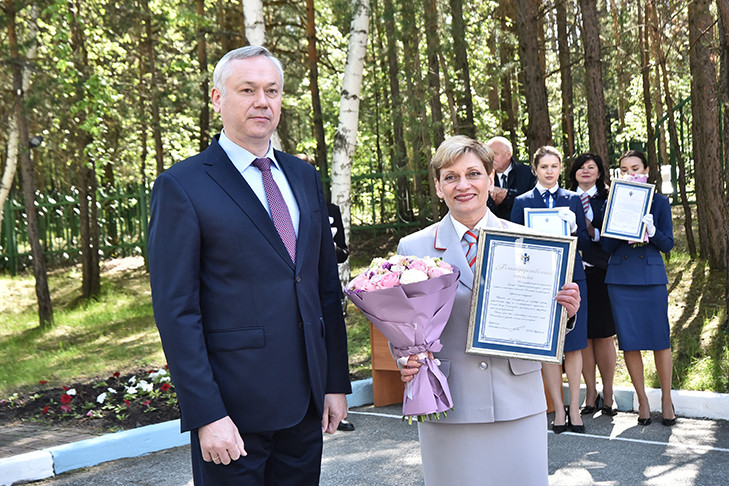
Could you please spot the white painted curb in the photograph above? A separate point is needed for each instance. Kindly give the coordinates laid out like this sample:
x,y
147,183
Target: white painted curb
x,y
26,467
151,438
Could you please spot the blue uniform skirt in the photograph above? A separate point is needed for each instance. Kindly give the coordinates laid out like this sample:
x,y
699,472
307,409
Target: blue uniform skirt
x,y
576,339
641,316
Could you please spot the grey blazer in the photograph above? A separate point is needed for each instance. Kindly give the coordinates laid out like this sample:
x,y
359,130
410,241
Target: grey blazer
x,y
484,389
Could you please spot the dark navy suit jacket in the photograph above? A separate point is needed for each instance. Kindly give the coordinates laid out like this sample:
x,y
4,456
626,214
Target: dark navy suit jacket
x,y
520,180
594,254
246,332
642,265
564,198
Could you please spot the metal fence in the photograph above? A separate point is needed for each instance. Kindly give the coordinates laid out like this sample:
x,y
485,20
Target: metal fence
x,y
123,220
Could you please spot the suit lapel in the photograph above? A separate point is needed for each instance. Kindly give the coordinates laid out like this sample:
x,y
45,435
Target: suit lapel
x,y
447,239
219,167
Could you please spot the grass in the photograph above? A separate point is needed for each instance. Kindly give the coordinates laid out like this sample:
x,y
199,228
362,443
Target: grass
x,y
117,332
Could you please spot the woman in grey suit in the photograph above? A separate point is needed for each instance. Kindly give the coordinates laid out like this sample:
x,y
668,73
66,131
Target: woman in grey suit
x,y
497,432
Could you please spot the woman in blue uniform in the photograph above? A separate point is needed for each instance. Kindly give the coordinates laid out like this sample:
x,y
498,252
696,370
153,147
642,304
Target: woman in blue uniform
x,y
547,165
636,280
587,179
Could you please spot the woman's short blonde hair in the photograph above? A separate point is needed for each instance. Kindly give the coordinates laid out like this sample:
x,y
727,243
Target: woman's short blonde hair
x,y
454,147
543,152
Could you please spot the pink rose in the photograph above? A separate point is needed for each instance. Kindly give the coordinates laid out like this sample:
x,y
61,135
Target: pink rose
x,y
445,266
369,285
390,279
436,272
358,282
418,265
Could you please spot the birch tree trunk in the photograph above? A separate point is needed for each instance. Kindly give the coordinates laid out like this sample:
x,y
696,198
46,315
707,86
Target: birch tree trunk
x,y
11,162
345,138
255,29
254,23
705,123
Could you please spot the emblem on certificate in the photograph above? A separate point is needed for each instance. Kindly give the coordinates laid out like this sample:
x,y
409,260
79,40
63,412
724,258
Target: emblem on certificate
x,y
513,310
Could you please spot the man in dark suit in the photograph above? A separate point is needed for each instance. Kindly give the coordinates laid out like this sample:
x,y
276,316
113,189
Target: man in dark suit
x,y
246,292
511,179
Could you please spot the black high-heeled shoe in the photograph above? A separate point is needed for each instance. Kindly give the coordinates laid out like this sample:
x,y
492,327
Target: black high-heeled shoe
x,y
578,429
558,429
644,421
590,409
611,410
672,421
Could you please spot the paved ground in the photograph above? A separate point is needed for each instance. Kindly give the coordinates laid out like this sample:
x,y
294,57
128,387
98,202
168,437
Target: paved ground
x,y
384,451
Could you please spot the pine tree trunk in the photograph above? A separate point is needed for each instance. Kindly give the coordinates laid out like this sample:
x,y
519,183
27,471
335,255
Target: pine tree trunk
x,y
430,14
565,72
645,53
614,9
151,60
400,162
464,101
318,118
526,21
711,213
202,60
722,7
346,137
596,123
43,295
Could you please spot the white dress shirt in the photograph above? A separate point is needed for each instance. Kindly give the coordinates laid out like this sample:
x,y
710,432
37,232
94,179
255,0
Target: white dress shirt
x,y
243,161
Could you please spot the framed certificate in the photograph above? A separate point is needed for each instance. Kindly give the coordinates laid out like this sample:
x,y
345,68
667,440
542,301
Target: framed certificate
x,y
513,310
627,203
546,221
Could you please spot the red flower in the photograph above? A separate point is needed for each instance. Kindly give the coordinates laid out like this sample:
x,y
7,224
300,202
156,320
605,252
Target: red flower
x,y
66,388
45,409
147,403
149,372
66,408
127,402
117,374
42,382
165,387
65,398
167,367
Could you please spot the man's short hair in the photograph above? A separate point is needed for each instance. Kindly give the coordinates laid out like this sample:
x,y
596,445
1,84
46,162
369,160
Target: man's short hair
x,y
222,69
502,140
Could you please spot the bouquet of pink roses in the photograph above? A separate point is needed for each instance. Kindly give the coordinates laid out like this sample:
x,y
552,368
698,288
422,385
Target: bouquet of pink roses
x,y
409,299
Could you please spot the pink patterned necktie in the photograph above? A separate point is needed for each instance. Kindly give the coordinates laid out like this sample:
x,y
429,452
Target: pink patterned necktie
x,y
471,240
279,210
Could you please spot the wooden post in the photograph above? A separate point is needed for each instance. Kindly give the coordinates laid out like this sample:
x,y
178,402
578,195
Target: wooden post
x,y
387,388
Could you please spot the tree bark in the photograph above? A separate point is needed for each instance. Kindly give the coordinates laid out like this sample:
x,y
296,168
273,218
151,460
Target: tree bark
x,y
710,209
526,21
722,7
313,59
464,101
508,100
151,58
565,74
596,124
255,26
430,14
400,162
202,60
645,51
11,162
43,295
614,9
346,137
85,167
